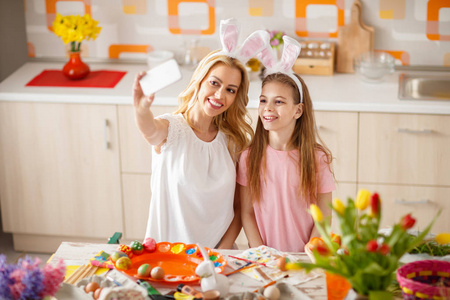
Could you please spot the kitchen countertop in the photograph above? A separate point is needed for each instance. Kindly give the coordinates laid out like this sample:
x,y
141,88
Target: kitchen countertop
x,y
340,92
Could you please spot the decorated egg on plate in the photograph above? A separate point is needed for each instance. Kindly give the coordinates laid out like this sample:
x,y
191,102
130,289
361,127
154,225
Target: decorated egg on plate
x,y
116,255
125,249
123,263
137,247
144,270
149,244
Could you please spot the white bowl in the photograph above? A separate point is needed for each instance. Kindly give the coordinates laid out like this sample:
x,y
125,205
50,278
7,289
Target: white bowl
x,y
374,66
157,57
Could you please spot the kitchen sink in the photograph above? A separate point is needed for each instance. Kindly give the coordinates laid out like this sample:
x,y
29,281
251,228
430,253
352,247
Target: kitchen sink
x,y
424,87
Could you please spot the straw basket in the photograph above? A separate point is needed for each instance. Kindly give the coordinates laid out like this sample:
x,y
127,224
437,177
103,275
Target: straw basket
x,y
425,279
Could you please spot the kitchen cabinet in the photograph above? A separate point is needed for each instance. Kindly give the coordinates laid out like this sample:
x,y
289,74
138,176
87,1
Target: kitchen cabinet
x,y
136,168
404,149
404,157
60,173
422,202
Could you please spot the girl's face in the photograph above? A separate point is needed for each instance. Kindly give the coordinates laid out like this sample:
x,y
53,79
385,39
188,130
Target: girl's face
x,y
218,89
277,110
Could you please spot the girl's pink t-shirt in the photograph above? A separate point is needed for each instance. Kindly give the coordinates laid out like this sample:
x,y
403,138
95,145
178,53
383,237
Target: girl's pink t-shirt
x,y
282,216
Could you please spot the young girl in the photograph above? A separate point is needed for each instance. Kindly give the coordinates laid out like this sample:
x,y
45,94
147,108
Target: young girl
x,y
285,169
193,162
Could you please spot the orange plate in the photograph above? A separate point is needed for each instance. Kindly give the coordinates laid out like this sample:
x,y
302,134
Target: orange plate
x,y
178,261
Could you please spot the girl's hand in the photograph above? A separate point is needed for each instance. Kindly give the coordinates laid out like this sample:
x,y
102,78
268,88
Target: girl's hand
x,y
141,102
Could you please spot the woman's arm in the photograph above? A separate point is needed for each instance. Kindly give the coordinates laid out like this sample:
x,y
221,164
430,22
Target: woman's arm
x,y
234,229
323,202
154,130
248,218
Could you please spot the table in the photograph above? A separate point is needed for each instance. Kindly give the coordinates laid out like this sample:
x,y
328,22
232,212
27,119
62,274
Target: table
x,y
80,253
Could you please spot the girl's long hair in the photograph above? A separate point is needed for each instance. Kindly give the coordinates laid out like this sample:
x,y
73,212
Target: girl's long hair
x,y
304,138
234,122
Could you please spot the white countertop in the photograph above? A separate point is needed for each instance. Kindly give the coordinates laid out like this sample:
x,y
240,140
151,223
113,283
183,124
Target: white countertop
x,y
340,92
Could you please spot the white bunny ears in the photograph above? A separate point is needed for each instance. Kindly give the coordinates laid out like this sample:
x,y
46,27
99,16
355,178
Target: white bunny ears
x,y
229,33
291,51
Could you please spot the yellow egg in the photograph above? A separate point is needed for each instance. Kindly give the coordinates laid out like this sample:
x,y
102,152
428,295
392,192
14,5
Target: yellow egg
x,y
157,273
443,238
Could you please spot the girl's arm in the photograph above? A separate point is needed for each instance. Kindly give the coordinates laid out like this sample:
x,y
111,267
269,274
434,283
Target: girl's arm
x,y
153,130
323,202
249,219
235,227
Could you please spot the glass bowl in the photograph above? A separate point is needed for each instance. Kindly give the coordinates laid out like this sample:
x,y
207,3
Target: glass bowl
x,y
374,66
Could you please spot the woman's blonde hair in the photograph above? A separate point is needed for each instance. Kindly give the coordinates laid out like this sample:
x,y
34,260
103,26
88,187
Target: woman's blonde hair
x,y
234,122
304,138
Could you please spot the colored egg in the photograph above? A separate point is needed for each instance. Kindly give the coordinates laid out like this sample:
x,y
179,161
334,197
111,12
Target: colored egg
x,y
125,249
116,255
157,273
137,247
149,244
123,263
144,270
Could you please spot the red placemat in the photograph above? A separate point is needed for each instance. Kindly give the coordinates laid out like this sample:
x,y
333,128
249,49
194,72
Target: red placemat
x,y
95,79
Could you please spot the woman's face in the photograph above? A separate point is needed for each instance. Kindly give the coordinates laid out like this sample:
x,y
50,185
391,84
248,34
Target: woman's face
x,y
277,109
218,89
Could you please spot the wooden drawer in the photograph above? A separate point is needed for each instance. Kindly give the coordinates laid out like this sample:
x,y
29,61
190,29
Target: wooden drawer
x,y
404,149
339,131
135,152
422,202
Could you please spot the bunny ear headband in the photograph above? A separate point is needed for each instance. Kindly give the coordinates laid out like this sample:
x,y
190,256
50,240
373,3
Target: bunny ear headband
x,y
291,51
229,33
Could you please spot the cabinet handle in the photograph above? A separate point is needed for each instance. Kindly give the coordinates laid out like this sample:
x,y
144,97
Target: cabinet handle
x,y
106,134
400,201
406,130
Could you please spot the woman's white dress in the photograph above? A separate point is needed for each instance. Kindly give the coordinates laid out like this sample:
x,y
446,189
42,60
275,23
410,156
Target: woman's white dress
x,y
192,186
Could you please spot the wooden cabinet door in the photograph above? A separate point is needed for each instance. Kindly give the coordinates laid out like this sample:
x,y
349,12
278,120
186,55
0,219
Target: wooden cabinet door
x,y
404,149
136,162
59,169
339,132
422,202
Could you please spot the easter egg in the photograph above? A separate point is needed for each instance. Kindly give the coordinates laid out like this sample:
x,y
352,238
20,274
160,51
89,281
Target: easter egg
x,y
125,249
144,270
116,255
137,247
149,244
123,263
157,273
272,292
91,287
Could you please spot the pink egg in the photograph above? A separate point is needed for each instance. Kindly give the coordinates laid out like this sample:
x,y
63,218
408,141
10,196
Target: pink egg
x,y
149,244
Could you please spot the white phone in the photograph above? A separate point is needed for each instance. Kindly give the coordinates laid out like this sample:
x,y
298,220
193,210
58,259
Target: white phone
x,y
160,77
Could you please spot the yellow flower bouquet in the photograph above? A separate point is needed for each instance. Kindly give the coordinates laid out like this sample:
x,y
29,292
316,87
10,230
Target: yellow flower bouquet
x,y
75,29
366,257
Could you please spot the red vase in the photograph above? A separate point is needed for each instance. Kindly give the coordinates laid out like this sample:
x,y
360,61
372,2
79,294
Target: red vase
x,y
75,68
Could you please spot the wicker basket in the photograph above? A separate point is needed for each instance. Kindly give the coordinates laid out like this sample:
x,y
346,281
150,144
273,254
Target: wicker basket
x,y
425,279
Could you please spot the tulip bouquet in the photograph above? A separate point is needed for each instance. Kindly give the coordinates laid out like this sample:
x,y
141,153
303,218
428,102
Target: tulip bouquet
x,y
367,258
75,29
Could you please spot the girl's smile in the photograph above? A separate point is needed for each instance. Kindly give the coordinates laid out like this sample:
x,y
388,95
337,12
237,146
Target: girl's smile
x,y
277,110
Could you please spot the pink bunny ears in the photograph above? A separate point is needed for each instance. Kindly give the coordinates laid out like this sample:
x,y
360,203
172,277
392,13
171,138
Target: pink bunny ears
x,y
291,51
255,43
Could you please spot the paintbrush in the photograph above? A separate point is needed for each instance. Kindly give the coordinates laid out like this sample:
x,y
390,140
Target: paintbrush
x,y
272,282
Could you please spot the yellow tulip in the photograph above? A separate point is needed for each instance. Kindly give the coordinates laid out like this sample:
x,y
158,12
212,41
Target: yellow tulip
x,y
316,213
362,199
293,266
338,206
443,238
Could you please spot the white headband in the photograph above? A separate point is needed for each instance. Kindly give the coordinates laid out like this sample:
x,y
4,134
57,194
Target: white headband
x,y
291,50
229,34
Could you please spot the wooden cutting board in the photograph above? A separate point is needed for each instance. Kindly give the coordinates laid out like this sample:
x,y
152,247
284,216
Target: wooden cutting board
x,y
354,39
